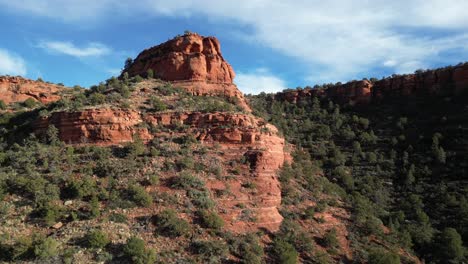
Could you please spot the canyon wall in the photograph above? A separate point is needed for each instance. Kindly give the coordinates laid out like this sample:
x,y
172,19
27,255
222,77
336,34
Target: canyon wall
x,y
449,80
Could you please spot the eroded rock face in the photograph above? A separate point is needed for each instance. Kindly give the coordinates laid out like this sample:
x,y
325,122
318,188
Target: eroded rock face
x,y
450,80
240,136
186,58
192,62
97,126
18,89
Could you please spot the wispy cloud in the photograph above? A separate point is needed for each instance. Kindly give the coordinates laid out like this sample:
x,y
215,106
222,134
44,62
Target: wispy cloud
x,y
11,64
92,49
259,80
335,39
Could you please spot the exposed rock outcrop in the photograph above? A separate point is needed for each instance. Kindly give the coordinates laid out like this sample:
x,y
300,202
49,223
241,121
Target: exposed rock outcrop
x,y
239,135
190,57
97,126
192,62
449,80
18,89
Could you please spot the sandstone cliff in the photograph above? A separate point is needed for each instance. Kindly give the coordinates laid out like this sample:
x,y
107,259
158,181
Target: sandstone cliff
x,y
241,136
18,89
449,80
190,61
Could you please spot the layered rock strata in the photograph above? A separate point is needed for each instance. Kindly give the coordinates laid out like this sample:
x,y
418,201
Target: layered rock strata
x,y
18,89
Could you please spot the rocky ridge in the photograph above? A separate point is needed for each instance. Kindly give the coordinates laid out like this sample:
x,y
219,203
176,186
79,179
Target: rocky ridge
x,y
17,89
432,82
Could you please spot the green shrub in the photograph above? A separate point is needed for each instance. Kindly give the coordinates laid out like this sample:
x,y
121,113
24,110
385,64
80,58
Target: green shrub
x,y
46,248
284,253
309,213
138,79
97,98
150,74
380,256
157,104
135,250
49,213
169,224
451,246
212,251
330,239
186,181
118,218
97,239
29,103
139,196
248,249
201,199
94,207
294,234
3,105
210,219
136,148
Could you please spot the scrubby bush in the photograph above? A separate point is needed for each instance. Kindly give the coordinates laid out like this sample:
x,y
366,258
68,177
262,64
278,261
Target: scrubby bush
x,y
247,248
136,148
157,104
97,98
295,235
118,218
97,239
330,239
46,248
139,195
212,251
284,253
135,250
380,256
3,105
210,219
29,103
169,224
150,74
186,181
200,199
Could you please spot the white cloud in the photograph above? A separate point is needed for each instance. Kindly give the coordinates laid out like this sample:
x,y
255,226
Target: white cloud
x,y
259,80
338,39
11,64
68,48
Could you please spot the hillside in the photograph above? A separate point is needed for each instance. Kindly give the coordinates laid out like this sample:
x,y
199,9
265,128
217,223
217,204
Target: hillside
x,y
171,163
398,149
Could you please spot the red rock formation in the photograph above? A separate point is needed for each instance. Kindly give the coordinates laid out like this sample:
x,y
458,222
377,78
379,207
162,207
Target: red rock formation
x,y
239,135
192,62
449,80
18,89
188,57
98,126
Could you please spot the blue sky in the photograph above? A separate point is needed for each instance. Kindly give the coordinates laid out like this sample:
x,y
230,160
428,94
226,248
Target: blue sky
x,y
272,45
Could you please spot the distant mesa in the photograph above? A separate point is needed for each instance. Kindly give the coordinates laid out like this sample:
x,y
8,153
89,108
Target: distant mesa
x,y
448,80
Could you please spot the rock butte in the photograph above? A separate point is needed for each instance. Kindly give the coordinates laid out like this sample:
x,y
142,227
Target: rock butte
x,y
192,62
433,82
195,63
18,89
